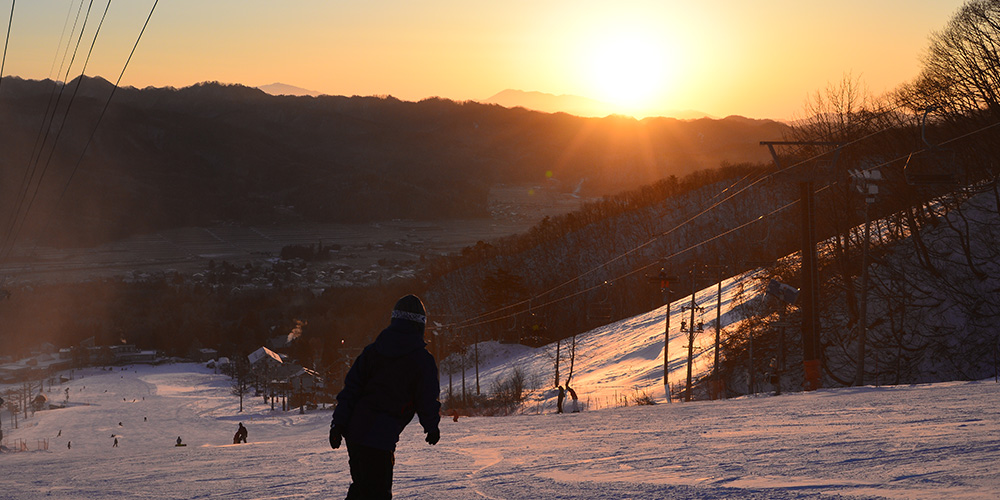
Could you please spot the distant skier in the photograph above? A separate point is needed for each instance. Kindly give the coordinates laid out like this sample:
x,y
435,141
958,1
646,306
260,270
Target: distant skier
x,y
559,399
574,406
241,435
69,445
116,443
390,381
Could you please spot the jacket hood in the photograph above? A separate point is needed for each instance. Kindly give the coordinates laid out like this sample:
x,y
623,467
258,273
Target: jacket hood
x,y
400,338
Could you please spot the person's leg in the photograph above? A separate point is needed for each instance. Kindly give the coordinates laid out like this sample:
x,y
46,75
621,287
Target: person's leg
x,y
371,472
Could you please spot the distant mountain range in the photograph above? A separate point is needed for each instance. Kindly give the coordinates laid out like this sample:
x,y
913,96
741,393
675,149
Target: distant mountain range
x,y
278,88
167,157
531,100
574,105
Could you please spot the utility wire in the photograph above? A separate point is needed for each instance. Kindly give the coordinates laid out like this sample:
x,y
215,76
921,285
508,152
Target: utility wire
x,y
106,104
40,141
62,34
93,133
642,268
7,40
55,141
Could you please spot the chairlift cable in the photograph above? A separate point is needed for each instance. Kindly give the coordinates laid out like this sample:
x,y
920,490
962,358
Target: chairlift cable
x,y
62,125
6,42
11,234
107,103
478,320
47,117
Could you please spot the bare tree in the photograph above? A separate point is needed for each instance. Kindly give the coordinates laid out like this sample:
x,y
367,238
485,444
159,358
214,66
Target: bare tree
x,y
239,370
961,73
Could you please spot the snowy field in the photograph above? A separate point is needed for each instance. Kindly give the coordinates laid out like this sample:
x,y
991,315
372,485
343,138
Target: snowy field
x,y
937,441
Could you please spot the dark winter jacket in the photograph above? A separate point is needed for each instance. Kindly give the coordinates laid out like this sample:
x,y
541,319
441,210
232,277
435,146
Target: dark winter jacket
x,y
390,381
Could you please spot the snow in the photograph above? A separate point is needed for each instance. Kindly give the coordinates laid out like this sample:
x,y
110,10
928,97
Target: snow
x,y
904,442
622,359
914,442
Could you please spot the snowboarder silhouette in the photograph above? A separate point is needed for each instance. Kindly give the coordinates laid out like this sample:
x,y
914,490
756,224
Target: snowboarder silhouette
x,y
391,380
241,434
559,399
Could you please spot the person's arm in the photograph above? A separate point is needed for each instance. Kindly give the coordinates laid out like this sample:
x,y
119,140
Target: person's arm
x,y
428,406
348,396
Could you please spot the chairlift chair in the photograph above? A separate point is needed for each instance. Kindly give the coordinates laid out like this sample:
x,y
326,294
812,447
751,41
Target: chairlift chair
x,y
602,310
932,166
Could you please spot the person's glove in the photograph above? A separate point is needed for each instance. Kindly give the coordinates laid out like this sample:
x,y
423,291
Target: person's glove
x,y
433,436
335,436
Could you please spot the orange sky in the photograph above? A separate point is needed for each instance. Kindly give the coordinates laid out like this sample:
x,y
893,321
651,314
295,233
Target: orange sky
x,y
757,59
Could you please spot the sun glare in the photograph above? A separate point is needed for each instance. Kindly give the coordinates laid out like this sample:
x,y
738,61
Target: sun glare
x,y
628,71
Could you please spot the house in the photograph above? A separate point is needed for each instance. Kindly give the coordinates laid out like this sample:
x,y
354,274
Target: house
x,y
202,355
128,354
306,388
264,355
305,380
40,402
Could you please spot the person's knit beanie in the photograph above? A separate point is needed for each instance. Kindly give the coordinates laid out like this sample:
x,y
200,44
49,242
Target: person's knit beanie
x,y
410,308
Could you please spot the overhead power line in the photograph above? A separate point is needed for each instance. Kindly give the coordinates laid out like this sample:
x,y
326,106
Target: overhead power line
x,y
10,241
6,42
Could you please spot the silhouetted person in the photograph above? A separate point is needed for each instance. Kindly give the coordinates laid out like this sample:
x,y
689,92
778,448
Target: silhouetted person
x,y
116,443
559,399
241,434
393,378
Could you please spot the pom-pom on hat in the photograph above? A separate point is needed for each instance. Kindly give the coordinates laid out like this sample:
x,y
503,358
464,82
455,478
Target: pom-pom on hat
x,y
410,308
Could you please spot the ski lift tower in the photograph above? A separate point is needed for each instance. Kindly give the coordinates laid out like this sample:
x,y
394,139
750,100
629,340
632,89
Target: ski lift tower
x,y
664,280
811,352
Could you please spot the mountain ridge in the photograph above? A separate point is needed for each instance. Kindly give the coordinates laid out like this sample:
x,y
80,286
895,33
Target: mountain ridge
x,y
167,157
575,105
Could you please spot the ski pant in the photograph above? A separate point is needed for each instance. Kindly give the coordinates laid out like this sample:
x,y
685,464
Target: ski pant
x,y
371,472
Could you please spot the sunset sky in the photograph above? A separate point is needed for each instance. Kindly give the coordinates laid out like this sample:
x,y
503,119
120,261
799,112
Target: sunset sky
x,y
722,57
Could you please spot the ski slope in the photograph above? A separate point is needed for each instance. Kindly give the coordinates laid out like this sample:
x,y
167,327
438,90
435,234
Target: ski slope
x,y
621,360
920,442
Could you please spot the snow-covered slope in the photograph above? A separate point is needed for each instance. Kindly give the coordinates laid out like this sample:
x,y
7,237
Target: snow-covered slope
x,y
620,360
923,442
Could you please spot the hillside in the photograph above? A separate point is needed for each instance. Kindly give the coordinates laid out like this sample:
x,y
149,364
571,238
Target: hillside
x,y
166,157
930,304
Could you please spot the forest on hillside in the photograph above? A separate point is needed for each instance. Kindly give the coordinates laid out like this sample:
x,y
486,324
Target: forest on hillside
x,y
158,158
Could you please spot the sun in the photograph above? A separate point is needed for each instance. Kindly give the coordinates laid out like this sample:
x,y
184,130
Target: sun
x,y
628,71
